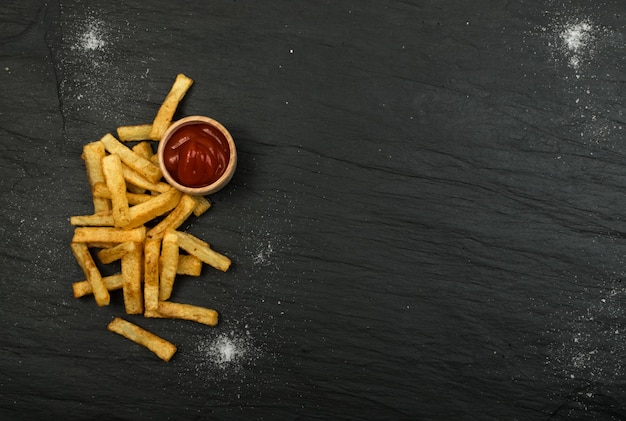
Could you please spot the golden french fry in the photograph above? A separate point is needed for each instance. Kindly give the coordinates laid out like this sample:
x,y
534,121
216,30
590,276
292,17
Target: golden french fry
x,y
92,155
189,265
185,207
112,283
92,274
111,254
108,235
202,251
166,112
156,206
134,133
131,273
135,199
202,205
131,188
168,309
140,150
101,190
136,179
168,264
97,220
144,149
151,252
142,165
165,350
112,169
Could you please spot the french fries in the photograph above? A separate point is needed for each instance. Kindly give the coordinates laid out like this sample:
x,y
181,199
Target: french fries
x,y
112,283
131,275
169,309
166,112
96,220
168,263
153,208
135,161
143,149
111,254
92,155
108,235
100,190
203,251
136,221
163,349
138,180
152,250
183,210
112,169
131,133
188,265
202,205
85,260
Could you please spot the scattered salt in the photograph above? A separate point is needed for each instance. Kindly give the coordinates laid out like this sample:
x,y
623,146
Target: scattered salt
x,y
231,350
590,342
90,82
91,40
263,254
92,36
577,39
576,36
227,350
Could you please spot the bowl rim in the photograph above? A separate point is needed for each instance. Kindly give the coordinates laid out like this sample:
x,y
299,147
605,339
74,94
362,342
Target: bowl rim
x,y
224,179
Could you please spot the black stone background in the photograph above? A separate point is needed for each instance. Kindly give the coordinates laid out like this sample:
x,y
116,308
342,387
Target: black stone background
x,y
427,221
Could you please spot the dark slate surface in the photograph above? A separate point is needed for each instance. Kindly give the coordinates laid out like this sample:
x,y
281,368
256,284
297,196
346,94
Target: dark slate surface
x,y
427,221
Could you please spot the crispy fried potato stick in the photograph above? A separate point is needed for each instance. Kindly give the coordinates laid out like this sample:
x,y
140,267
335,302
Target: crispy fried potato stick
x,y
144,149
111,254
138,163
202,205
101,190
168,309
112,169
151,252
97,220
157,206
163,349
131,273
134,133
83,288
168,263
202,251
92,155
92,274
104,235
135,178
189,265
183,210
166,112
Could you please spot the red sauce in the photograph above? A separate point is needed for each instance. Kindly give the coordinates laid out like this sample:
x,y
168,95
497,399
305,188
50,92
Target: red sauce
x,y
196,155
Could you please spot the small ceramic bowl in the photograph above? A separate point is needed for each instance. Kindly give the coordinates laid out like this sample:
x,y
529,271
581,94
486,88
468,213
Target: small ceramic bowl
x,y
210,129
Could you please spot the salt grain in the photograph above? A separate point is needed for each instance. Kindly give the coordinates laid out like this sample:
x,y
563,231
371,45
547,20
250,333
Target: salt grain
x,y
91,85
576,36
577,39
228,351
91,40
591,341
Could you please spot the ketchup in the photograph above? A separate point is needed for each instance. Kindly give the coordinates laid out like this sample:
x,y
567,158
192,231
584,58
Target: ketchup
x,y
196,155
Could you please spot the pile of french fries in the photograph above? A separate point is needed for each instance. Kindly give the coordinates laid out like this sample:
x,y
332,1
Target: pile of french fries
x,y
136,221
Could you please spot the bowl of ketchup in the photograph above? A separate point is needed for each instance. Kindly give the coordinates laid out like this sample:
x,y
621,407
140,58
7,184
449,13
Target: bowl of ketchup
x,y
197,155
